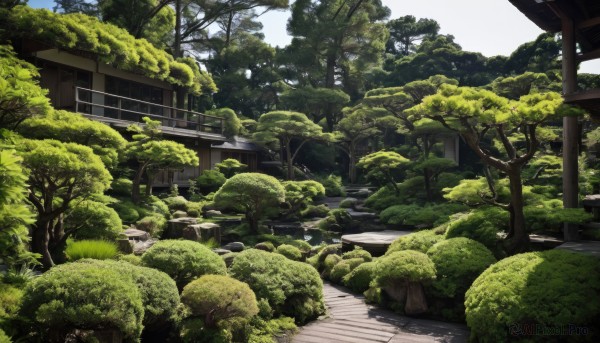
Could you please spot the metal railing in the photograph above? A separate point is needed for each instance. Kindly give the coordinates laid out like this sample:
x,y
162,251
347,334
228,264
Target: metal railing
x,y
108,105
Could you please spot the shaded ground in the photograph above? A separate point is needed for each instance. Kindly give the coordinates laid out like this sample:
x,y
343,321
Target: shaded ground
x,y
351,320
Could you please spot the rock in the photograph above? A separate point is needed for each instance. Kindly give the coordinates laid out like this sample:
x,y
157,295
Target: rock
x,y
136,234
348,203
212,213
363,193
203,232
139,248
288,229
228,258
175,227
221,251
125,246
234,246
179,214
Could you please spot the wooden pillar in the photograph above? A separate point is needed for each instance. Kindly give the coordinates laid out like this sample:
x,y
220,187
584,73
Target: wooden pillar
x,y
570,128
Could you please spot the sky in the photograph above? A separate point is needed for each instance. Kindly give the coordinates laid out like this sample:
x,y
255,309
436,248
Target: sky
x,y
492,27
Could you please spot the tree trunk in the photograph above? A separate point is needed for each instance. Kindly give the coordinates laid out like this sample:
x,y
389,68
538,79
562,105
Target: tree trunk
x,y
427,179
415,299
137,180
40,238
290,166
352,165
253,222
517,239
58,242
177,38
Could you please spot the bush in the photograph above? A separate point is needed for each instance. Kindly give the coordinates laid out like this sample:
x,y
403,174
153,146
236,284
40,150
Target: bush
x,y
158,291
80,296
99,250
553,289
127,211
93,220
304,246
266,246
333,186
131,258
358,252
217,298
419,241
194,209
481,225
4,338
121,187
458,262
290,252
210,181
421,216
184,261
329,263
177,203
359,279
410,191
10,301
291,288
318,260
312,211
154,224
407,265
343,268
348,203
337,220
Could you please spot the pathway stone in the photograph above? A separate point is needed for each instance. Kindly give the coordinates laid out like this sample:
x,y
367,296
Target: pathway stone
x,y
350,320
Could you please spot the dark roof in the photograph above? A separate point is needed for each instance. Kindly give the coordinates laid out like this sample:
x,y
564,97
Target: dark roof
x,y
585,14
238,144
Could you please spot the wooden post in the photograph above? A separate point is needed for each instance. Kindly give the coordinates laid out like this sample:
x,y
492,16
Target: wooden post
x,y
570,127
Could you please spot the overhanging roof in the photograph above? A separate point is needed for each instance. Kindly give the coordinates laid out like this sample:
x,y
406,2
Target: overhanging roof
x,y
237,144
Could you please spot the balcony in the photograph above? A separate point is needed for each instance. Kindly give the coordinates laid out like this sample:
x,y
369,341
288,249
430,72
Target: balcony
x,y
121,112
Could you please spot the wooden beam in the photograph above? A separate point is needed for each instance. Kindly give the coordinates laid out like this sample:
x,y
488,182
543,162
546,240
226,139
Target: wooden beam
x,y
589,23
589,94
590,55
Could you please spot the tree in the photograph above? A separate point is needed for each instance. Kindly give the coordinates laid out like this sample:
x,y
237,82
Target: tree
x,y
59,174
21,97
382,164
229,167
318,103
231,123
475,114
299,194
284,128
406,31
154,154
251,193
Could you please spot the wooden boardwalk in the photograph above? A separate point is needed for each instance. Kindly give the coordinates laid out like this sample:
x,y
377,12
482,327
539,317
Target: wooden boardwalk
x,y
351,320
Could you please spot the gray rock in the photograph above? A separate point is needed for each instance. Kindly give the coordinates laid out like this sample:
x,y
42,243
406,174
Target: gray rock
x,y
221,251
125,246
212,213
291,229
175,226
179,214
136,234
139,248
228,258
234,246
202,232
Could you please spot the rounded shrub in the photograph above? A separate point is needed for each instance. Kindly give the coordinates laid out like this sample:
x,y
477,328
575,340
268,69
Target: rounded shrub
x,y
176,203
93,220
194,209
458,262
79,296
158,291
348,203
131,258
266,246
359,279
419,241
128,211
304,246
553,289
330,262
96,249
406,265
210,181
333,186
10,300
216,298
358,252
315,211
153,224
290,252
121,187
4,338
481,225
343,268
183,261
291,288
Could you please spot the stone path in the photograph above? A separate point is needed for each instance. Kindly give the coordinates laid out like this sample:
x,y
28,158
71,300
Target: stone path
x,y
351,320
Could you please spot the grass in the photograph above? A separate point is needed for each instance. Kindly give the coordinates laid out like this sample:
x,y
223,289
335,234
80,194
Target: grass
x,y
96,249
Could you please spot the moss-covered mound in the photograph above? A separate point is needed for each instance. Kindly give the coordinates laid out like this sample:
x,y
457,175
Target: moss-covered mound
x,y
552,289
419,241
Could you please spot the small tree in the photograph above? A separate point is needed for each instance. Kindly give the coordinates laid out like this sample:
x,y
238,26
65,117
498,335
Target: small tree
x,y
284,128
154,154
299,194
252,194
382,164
230,167
60,173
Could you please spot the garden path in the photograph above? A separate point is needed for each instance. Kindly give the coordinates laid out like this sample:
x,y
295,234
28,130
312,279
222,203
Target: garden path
x,y
351,320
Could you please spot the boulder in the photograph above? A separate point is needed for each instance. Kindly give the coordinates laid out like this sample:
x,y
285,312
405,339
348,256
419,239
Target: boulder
x,y
234,246
139,248
288,229
212,213
202,232
136,235
125,246
220,251
175,227
180,214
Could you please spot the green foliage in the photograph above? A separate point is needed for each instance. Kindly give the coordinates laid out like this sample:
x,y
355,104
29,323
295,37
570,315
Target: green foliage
x,y
290,251
210,180
300,194
229,167
184,261
194,209
14,213
4,338
291,288
458,262
111,44
359,279
343,268
481,225
153,224
358,252
10,302
336,220
131,258
419,241
381,166
266,246
348,203
421,216
406,265
252,194
549,216
330,261
554,288
93,220
127,211
263,331
21,96
333,186
121,187
304,246
231,125
312,211
176,203
96,249
81,296
409,191
65,126
216,298
158,291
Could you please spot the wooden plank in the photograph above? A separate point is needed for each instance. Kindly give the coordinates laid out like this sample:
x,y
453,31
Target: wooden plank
x,y
344,334
358,329
335,337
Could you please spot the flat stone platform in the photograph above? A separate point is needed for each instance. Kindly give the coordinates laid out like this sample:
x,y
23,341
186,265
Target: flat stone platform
x,y
350,320
374,242
584,247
